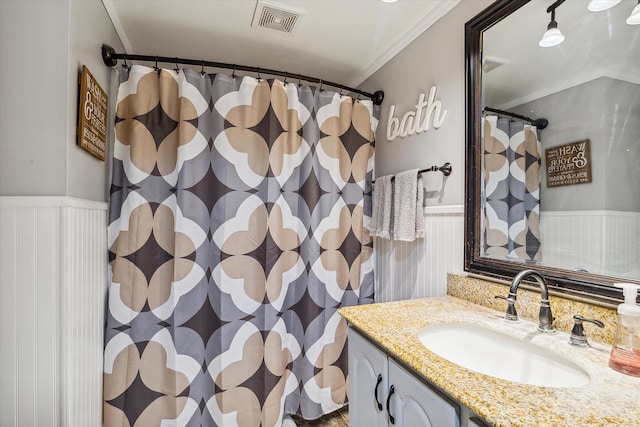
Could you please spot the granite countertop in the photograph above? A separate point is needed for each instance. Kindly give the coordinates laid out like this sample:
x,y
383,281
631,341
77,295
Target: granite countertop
x,y
610,399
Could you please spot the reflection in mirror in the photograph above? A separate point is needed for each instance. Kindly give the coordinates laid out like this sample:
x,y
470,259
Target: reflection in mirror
x,y
554,143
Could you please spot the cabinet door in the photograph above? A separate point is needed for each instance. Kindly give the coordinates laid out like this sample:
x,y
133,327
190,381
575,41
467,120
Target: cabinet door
x,y
367,383
414,404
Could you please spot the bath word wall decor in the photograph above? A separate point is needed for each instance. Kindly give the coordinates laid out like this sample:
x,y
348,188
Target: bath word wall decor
x,y
568,164
92,115
416,121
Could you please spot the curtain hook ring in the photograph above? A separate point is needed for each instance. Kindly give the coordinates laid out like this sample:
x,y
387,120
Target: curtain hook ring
x,y
286,76
233,75
155,67
341,88
320,85
299,80
177,69
124,57
202,73
259,78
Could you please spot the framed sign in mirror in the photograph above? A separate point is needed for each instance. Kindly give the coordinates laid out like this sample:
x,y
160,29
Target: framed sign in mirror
x,y
574,214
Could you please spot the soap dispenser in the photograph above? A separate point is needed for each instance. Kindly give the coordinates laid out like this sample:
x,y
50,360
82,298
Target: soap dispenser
x,y
625,354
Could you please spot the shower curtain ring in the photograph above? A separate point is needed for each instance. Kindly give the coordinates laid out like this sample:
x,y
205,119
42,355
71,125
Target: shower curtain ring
x,y
124,57
320,85
233,75
155,67
202,73
177,69
341,88
299,79
259,78
286,76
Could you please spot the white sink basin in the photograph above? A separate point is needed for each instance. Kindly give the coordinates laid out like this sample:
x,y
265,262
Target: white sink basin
x,y
499,355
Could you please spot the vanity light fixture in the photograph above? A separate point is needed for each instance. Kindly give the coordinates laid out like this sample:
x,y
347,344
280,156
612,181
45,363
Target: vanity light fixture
x,y
552,36
634,18
599,5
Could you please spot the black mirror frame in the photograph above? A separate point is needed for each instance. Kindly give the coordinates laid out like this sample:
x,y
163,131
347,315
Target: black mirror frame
x,y
597,288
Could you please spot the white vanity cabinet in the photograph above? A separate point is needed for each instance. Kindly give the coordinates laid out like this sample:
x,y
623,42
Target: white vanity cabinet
x,y
368,383
383,393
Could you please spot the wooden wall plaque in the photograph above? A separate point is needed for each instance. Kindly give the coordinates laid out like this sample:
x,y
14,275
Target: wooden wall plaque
x,y
568,164
92,113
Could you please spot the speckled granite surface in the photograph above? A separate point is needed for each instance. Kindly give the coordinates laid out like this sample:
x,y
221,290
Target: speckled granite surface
x,y
483,292
610,399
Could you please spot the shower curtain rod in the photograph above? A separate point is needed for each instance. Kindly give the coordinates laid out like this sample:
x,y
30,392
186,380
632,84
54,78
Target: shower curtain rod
x,y
110,58
538,123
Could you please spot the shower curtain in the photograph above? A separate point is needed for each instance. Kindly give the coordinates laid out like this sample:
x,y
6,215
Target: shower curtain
x,y
511,190
237,229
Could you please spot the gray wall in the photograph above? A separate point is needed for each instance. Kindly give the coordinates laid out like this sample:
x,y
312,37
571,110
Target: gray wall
x,y
605,111
622,145
435,58
44,45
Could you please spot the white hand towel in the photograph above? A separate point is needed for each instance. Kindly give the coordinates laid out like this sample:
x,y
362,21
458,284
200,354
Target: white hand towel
x,y
420,209
408,219
381,207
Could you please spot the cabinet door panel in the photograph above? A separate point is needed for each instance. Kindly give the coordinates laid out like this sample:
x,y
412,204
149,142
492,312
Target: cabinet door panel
x,y
415,404
366,364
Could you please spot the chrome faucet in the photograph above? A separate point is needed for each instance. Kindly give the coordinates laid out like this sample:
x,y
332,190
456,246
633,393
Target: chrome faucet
x,y
545,317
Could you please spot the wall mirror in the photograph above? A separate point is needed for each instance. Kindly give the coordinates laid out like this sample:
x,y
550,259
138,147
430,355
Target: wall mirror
x,y
553,144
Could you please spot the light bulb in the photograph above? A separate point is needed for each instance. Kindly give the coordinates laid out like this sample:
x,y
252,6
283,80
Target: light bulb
x,y
552,36
634,18
600,5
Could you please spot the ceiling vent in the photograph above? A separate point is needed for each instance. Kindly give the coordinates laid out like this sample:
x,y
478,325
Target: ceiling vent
x,y
492,62
275,17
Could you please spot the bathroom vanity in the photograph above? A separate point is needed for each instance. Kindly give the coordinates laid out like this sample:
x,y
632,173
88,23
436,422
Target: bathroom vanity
x,y
395,377
399,397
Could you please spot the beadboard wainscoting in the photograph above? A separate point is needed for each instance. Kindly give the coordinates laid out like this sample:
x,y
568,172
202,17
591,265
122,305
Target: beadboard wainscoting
x,y
599,241
418,269
53,284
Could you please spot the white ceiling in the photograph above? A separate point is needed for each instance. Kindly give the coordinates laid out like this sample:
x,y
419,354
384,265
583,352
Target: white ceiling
x,y
344,41
596,44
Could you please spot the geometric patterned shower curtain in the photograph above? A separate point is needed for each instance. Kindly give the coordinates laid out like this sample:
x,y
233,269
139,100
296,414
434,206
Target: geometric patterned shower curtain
x,y
511,190
238,228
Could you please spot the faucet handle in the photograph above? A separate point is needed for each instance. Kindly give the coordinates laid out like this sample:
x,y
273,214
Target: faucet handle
x,y
578,337
511,313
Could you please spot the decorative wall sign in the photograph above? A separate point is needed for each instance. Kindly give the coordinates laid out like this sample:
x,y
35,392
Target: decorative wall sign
x,y
416,121
92,113
568,164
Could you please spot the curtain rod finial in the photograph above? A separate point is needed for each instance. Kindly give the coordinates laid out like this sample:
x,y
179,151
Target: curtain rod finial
x,y
378,97
107,55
